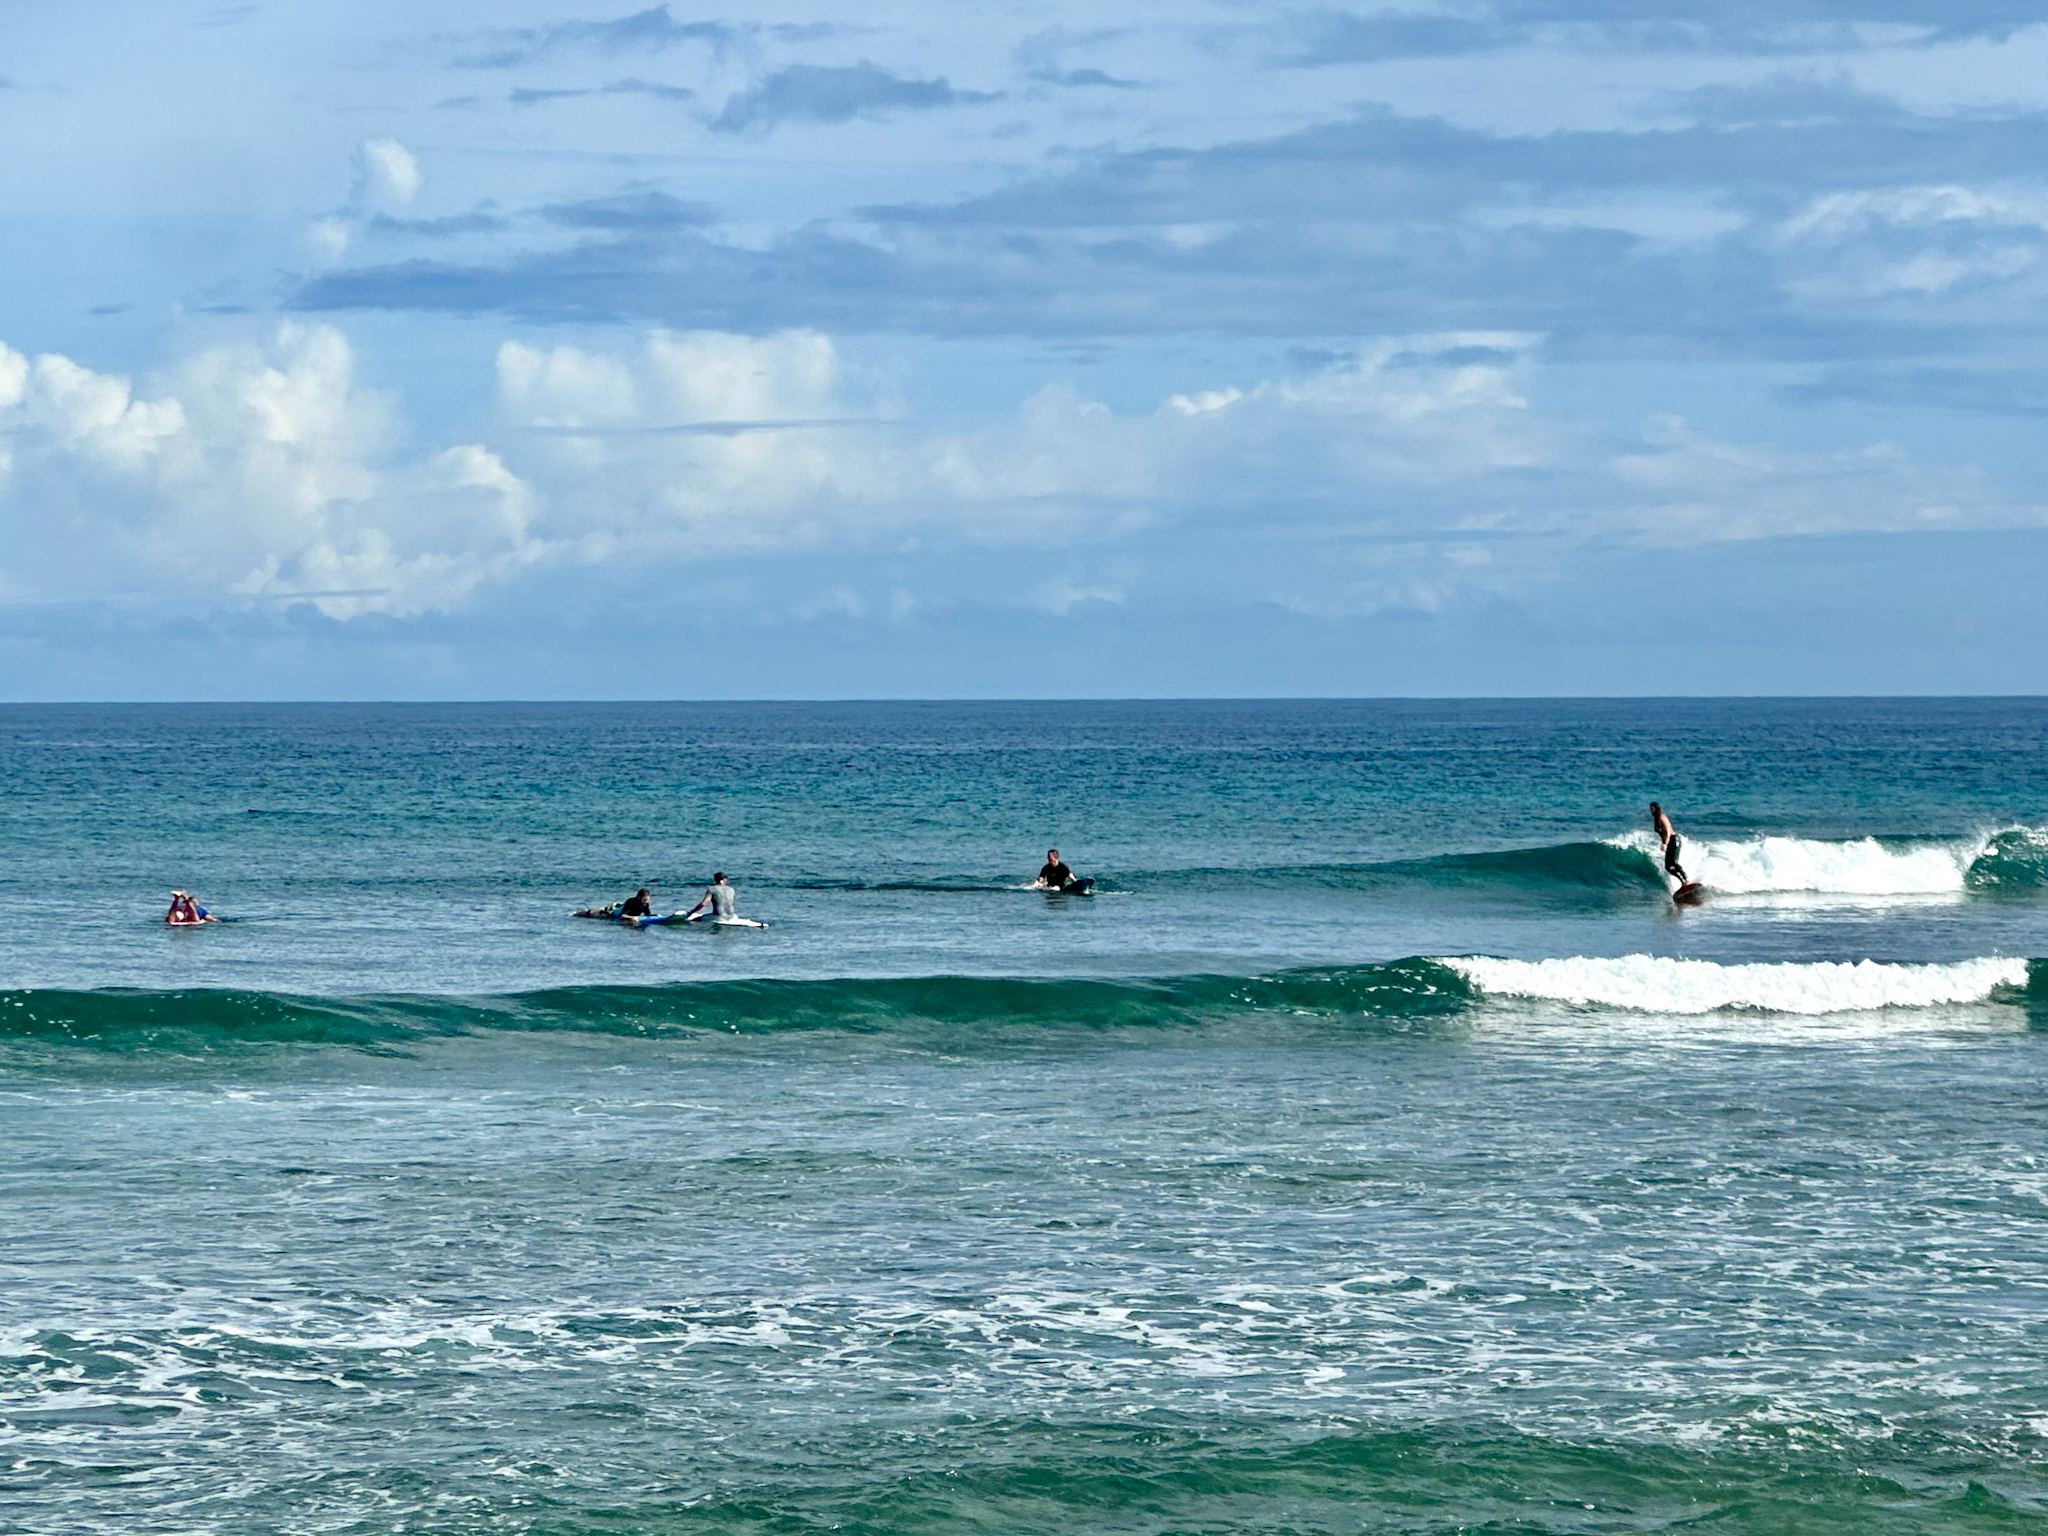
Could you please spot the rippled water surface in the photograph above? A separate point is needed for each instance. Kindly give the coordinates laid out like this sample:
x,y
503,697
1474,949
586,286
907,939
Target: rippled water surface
x,y
1380,1150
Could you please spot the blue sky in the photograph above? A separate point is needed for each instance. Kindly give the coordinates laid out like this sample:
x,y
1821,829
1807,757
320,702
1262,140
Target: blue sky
x,y
974,349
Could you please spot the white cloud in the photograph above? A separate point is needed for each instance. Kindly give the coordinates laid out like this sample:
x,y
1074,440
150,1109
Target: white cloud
x,y
387,175
1413,470
328,239
93,414
1062,595
1690,489
263,470
1919,242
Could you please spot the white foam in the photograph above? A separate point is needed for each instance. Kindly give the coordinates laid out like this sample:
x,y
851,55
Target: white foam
x,y
1658,984
1859,867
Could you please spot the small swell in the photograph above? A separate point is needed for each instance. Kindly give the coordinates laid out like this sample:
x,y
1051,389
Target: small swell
x,y
203,1019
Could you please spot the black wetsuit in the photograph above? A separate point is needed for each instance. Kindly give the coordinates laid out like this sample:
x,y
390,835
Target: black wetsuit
x,y
1671,864
636,906
1058,876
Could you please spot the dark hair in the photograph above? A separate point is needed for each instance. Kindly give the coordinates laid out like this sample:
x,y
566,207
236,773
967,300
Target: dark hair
x,y
1655,806
719,876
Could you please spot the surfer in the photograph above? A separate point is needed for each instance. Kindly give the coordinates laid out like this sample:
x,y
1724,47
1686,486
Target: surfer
x,y
1057,877
1668,836
185,911
719,897
637,905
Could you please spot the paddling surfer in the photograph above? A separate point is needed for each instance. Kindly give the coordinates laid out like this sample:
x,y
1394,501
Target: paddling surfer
x,y
639,904
1668,836
185,912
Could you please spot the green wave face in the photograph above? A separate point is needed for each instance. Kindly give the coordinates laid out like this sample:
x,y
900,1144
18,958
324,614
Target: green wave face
x,y
203,1019
2015,861
1581,867
1598,866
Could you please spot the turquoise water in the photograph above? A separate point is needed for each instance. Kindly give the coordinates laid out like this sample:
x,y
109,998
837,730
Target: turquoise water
x,y
1379,1150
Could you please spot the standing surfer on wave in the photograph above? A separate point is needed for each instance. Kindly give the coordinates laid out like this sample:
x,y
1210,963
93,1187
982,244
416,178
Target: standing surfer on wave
x,y
1668,836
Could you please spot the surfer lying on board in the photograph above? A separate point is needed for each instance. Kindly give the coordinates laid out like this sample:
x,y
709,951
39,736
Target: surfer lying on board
x,y
719,897
185,911
1057,877
637,905
1668,836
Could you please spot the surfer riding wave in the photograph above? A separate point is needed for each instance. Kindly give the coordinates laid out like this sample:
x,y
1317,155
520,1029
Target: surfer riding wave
x,y
1668,836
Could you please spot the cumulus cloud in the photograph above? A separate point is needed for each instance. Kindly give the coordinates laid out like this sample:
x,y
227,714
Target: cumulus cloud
x,y
1402,473
261,470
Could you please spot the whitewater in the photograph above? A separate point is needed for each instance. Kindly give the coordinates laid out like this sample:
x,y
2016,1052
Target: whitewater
x,y
1660,984
2013,857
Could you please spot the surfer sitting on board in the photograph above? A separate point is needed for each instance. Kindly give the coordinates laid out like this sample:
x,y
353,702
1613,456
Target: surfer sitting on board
x,y
1057,877
719,897
1668,836
185,911
637,904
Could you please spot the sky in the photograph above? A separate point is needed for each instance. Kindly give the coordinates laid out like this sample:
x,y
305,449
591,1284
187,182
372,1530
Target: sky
x,y
973,349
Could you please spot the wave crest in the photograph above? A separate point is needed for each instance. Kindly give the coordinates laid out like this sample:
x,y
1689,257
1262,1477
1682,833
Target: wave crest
x,y
2015,859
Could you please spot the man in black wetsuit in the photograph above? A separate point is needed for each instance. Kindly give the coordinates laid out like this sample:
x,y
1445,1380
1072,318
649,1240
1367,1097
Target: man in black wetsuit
x,y
637,905
1668,836
1055,876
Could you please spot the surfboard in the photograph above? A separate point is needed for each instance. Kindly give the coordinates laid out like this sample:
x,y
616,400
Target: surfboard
x,y
1689,894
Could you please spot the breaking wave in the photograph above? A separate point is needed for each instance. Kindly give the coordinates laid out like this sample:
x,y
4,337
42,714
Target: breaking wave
x,y
1659,984
2013,861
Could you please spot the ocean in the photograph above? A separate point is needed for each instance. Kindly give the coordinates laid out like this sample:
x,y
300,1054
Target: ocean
x,y
1377,1149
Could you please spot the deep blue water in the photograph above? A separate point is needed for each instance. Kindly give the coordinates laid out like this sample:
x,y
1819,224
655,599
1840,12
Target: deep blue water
x,y
1379,1149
